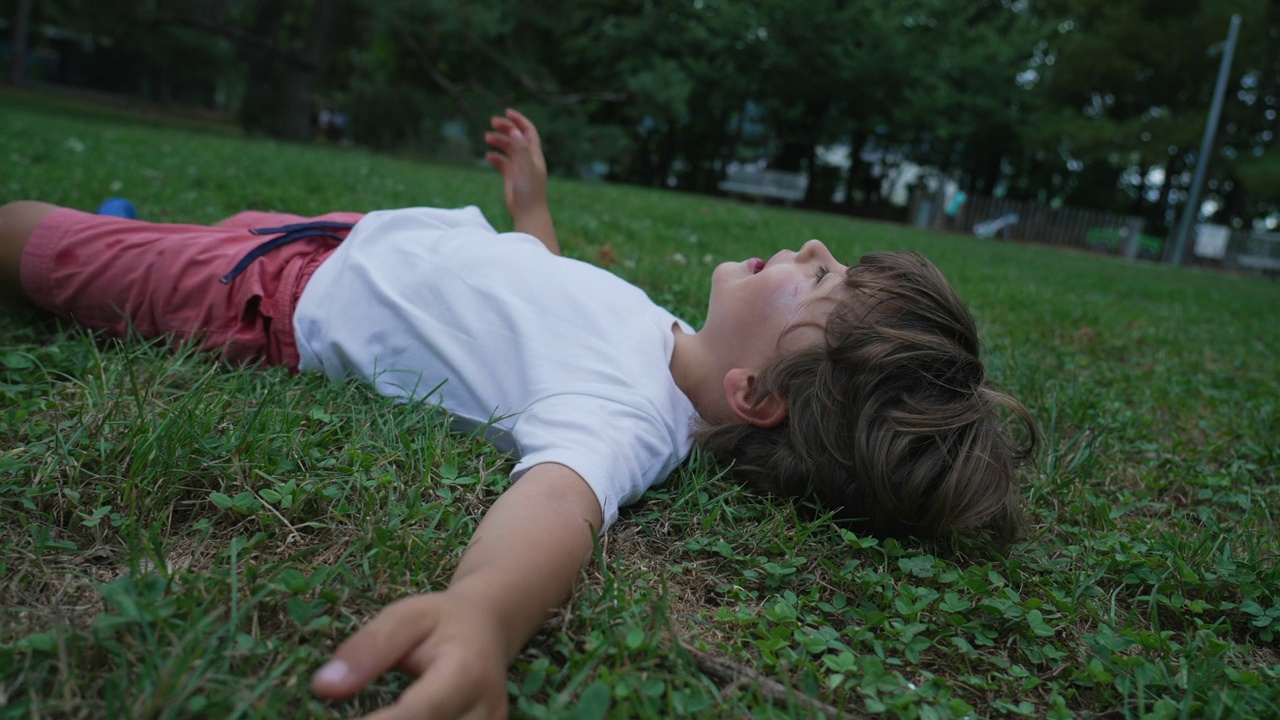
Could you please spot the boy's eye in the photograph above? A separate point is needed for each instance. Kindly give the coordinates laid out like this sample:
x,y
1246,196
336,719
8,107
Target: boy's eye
x,y
820,273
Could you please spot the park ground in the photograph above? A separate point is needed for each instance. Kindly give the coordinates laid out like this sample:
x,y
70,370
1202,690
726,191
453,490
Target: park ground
x,y
183,539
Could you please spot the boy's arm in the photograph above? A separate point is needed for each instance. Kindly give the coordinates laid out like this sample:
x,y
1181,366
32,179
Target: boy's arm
x,y
538,224
524,175
522,562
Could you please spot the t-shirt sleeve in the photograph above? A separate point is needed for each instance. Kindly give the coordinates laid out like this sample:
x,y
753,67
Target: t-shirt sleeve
x,y
620,451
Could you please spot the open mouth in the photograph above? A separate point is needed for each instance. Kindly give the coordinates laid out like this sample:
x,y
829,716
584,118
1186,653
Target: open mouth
x,y
755,265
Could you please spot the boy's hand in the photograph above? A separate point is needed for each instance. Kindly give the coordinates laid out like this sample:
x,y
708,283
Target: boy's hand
x,y
524,175
453,646
521,563
523,168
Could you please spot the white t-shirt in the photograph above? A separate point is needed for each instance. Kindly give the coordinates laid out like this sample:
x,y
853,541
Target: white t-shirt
x,y
556,359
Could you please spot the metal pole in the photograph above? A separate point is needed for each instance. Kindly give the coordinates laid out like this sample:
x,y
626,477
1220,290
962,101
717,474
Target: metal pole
x,y
1191,212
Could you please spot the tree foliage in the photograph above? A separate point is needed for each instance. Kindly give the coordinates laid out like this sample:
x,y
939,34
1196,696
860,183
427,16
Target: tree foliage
x,y
1094,103
1125,88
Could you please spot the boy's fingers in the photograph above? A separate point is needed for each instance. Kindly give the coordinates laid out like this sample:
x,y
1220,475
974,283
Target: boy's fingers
x,y
524,123
497,160
505,142
445,690
500,141
376,648
501,123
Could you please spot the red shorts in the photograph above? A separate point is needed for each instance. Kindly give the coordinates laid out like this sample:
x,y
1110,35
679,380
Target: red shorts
x,y
155,279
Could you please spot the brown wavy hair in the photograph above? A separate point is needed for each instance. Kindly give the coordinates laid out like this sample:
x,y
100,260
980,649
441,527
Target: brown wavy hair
x,y
891,421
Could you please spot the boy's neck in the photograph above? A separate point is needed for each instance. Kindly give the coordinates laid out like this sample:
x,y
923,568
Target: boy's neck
x,y
694,370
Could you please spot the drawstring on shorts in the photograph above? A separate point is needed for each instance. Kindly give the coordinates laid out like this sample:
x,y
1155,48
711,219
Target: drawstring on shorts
x,y
287,234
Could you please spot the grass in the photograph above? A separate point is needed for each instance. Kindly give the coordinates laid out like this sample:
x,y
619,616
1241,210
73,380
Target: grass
x,y
182,539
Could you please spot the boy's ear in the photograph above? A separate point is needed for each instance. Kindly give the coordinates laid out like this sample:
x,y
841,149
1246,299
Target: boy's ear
x,y
739,391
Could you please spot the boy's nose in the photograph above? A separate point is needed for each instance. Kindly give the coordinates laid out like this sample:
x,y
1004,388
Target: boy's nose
x,y
813,249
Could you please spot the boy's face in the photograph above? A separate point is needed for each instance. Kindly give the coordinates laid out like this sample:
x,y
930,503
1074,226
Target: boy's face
x,y
753,303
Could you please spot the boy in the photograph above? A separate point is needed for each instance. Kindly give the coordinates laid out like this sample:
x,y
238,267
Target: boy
x,y
858,387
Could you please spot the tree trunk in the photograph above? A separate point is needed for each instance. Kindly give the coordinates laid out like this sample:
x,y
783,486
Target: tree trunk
x,y
1158,216
278,98
856,141
21,29
735,141
817,190
666,156
791,157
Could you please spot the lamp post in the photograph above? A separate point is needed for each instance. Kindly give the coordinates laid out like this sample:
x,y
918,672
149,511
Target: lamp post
x,y
1192,209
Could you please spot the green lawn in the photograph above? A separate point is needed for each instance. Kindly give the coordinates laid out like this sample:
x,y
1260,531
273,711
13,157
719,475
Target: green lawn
x,y
184,539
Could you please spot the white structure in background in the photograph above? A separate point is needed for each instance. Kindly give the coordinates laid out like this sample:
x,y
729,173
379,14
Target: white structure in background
x,y
897,175
1211,241
991,228
1256,249
754,178
777,184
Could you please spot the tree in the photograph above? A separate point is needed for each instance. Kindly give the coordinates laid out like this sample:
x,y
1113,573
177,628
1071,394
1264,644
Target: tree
x,y
1124,87
285,54
122,46
963,103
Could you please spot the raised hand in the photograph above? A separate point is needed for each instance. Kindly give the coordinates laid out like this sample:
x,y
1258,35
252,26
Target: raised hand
x,y
451,644
519,159
517,154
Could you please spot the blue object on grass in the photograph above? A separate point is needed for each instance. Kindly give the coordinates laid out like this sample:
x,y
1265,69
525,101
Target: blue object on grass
x,y
118,207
